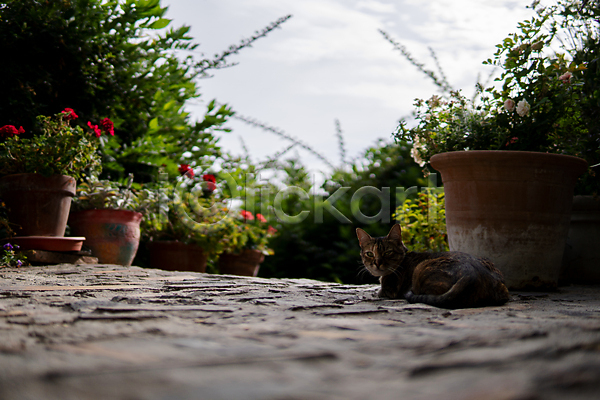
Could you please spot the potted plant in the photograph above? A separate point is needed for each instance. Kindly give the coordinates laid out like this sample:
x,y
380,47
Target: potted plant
x,y
508,161
248,245
104,212
185,225
38,174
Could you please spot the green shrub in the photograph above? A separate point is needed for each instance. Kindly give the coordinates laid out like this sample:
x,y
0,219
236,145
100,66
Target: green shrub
x,y
423,222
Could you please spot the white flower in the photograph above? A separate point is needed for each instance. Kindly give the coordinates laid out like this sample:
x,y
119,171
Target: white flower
x,y
414,152
523,108
509,105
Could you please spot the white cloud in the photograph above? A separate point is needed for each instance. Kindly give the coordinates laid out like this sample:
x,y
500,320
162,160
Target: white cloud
x,y
329,61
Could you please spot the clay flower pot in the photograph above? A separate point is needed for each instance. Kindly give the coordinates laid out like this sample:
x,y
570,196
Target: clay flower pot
x,y
177,256
38,205
581,262
112,235
512,207
247,263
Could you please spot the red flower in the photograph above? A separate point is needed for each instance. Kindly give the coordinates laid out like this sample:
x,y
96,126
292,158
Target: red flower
x,y
512,140
95,128
108,126
209,178
271,230
70,114
185,169
261,218
10,131
209,182
247,215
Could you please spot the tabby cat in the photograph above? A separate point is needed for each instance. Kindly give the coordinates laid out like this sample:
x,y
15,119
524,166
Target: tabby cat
x,y
447,280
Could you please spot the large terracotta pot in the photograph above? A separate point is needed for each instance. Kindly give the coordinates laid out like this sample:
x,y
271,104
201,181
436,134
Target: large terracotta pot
x,y
177,256
581,262
247,263
511,207
112,235
38,205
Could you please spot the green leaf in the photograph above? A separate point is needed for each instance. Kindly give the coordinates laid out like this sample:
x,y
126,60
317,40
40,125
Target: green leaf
x,y
169,105
154,124
159,24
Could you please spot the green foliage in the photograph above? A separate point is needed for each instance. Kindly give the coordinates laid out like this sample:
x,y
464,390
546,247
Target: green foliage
x,y
423,222
59,149
117,58
96,194
581,38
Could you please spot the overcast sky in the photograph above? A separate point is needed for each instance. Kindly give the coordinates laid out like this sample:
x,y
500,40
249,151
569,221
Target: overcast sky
x,y
329,61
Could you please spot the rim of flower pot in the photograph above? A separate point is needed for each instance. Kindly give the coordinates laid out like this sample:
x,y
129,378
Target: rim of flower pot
x,y
132,216
489,157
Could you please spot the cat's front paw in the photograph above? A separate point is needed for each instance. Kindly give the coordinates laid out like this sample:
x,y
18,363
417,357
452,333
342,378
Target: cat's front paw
x,y
385,293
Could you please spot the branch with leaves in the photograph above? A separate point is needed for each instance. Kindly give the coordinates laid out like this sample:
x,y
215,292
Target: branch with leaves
x,y
439,81
284,135
220,60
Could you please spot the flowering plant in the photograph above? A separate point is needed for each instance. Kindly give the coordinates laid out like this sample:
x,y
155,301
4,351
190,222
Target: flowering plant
x,y
182,211
10,257
251,232
536,107
60,149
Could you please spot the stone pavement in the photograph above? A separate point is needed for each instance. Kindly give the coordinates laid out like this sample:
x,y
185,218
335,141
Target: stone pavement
x,y
112,332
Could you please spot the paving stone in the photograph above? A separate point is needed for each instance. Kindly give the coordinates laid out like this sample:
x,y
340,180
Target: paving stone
x,y
104,331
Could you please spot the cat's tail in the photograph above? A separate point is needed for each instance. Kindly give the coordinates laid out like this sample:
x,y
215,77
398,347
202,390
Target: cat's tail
x,y
450,299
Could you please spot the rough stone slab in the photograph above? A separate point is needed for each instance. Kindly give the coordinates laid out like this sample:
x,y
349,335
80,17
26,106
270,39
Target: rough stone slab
x,y
104,331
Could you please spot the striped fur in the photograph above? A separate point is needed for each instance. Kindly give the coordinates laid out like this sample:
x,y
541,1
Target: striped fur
x,y
445,280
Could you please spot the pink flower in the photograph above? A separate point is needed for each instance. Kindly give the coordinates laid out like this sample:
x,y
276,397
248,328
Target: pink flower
x,y
108,126
271,230
247,215
69,114
566,77
512,140
261,218
509,105
185,169
95,128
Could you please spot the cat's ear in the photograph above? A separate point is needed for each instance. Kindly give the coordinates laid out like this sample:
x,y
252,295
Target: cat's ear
x,y
395,233
363,237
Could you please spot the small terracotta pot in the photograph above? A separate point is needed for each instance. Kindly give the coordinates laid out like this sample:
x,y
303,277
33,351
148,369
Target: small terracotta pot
x,y
177,256
112,235
247,263
513,207
38,205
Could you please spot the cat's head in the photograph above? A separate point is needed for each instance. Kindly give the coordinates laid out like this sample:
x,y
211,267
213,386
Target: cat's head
x,y
381,255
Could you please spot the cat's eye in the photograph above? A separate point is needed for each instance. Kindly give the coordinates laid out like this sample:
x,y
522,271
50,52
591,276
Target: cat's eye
x,y
369,254
388,253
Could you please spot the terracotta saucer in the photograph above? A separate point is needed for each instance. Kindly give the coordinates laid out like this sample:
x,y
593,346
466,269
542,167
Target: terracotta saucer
x,y
48,243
